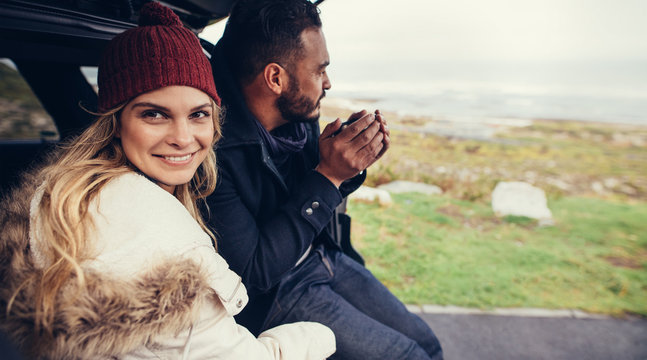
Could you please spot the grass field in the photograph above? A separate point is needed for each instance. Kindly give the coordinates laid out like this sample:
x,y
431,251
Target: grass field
x,y
440,250
452,250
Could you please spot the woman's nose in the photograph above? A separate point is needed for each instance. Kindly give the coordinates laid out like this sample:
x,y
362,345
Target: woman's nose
x,y
180,134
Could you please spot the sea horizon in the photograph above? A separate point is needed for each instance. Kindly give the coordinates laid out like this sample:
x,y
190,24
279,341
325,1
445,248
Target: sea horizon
x,y
608,92
600,92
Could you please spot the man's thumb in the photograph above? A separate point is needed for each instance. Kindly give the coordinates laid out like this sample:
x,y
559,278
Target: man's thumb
x,y
331,128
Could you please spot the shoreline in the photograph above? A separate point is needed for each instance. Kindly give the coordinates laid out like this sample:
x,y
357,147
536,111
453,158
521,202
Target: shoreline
x,y
354,104
482,128
471,127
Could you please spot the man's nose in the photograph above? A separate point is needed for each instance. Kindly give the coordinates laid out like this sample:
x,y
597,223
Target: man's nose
x,y
326,83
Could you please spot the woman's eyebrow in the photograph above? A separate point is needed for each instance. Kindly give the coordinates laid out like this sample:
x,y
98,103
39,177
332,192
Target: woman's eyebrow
x,y
163,108
201,106
149,104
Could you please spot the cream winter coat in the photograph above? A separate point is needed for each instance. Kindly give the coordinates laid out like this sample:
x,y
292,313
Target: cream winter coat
x,y
156,289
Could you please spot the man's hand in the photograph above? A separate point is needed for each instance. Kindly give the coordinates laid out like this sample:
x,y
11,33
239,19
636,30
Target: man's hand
x,y
385,130
354,149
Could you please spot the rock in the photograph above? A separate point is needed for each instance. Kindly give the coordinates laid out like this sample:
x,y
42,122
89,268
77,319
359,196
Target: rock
x,y
559,183
521,199
611,183
627,190
598,187
530,175
369,194
628,139
402,186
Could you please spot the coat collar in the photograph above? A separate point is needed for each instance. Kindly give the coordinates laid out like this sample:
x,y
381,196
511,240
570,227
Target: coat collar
x,y
238,126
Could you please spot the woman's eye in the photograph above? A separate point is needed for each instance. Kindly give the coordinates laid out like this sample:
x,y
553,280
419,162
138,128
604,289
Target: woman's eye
x,y
200,114
152,114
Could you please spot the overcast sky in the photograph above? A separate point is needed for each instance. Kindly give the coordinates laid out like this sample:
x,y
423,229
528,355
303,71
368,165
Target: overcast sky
x,y
483,30
489,51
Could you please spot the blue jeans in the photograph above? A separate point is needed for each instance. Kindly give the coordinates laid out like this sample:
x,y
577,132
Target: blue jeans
x,y
368,321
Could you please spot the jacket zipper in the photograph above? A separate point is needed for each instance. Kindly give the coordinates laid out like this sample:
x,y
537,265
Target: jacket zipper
x,y
267,160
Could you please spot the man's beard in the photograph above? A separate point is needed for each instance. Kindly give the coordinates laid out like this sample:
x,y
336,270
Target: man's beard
x,y
295,107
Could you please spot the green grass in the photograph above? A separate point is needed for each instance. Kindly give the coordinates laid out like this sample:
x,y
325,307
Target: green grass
x,y
445,251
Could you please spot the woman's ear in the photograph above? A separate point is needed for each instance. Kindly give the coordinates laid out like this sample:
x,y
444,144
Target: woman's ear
x,y
275,77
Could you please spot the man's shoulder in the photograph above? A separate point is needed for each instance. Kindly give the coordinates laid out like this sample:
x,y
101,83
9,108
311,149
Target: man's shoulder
x,y
237,128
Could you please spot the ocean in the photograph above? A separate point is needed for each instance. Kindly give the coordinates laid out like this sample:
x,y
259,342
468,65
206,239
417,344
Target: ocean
x,y
612,92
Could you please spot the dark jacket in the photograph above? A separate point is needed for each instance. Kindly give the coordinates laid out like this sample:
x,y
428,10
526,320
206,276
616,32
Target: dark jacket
x,y
265,222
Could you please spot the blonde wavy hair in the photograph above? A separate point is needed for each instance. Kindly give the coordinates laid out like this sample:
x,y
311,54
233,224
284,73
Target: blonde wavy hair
x,y
86,164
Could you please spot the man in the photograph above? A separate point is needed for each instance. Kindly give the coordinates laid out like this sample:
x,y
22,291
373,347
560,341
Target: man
x,y
281,181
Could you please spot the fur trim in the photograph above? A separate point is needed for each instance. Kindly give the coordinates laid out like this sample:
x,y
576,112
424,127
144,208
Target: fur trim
x,y
109,316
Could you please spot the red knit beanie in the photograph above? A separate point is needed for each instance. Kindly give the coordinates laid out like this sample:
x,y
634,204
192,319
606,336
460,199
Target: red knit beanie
x,y
159,52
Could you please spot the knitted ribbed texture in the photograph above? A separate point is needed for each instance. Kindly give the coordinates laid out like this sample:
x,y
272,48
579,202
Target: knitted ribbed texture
x,y
159,52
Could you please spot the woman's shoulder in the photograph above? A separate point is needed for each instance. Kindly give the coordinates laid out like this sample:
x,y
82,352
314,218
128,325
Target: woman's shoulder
x,y
135,218
134,196
132,185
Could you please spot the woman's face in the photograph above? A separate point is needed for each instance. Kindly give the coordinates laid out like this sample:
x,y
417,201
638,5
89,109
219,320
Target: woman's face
x,y
167,133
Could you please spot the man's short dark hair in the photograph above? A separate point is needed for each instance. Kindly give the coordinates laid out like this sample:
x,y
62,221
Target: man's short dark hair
x,y
266,31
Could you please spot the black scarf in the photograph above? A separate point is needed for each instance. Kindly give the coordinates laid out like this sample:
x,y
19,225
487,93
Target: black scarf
x,y
283,141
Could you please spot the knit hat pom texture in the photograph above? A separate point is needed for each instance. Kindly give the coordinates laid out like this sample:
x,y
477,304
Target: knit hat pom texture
x,y
153,13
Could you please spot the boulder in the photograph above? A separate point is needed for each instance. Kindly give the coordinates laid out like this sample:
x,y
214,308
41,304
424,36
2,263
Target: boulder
x,y
402,186
369,194
521,199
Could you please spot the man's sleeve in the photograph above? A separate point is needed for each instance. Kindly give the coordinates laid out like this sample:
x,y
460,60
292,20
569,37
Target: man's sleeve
x,y
352,184
262,252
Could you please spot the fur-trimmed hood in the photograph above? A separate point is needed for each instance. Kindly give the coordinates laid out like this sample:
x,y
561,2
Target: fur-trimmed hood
x,y
108,317
154,287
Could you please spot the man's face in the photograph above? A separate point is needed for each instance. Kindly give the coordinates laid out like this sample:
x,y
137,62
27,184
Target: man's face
x,y
308,80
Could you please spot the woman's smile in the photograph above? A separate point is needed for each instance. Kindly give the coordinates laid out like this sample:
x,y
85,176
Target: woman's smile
x,y
177,159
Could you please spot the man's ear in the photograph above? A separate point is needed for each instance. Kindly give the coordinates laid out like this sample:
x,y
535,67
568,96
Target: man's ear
x,y
275,78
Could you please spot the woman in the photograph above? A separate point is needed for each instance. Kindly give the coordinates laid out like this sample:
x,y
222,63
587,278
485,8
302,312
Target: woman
x,y
104,254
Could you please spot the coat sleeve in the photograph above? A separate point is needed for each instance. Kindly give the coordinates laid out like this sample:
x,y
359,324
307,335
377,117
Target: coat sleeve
x,y
217,336
262,251
352,184
319,345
